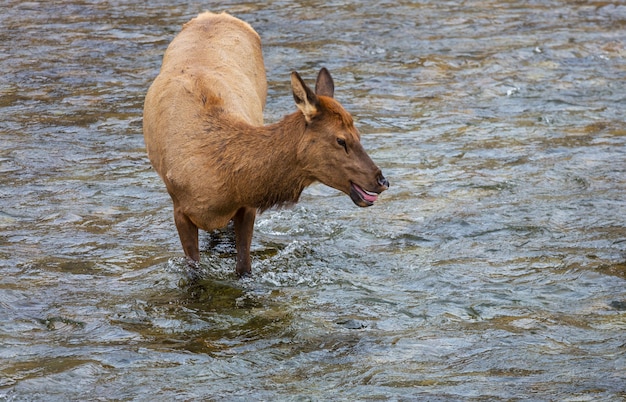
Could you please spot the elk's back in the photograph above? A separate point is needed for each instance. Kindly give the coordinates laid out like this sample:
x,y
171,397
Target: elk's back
x,y
212,70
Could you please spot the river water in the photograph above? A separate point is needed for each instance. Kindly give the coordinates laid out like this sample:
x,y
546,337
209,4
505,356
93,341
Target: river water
x,y
494,268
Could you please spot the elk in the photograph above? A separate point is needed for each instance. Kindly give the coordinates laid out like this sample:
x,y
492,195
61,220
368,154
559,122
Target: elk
x,y
204,134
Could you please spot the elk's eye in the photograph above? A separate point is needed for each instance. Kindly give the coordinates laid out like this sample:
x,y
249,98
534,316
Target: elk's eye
x,y
342,142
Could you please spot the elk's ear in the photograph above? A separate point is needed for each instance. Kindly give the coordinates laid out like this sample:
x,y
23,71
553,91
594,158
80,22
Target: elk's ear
x,y
305,99
324,85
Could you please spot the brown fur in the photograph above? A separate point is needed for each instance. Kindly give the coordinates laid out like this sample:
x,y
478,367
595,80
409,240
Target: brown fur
x,y
204,133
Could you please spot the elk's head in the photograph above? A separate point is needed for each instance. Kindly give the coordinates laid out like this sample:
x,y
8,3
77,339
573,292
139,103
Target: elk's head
x,y
331,149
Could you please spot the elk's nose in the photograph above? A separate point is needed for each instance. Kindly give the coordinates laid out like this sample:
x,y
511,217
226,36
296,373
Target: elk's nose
x,y
382,181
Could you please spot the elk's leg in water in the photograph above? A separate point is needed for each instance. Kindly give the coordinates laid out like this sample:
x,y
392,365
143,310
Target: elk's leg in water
x,y
188,233
244,225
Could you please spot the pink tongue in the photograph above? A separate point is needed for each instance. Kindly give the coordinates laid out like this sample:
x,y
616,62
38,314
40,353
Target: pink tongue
x,y
367,197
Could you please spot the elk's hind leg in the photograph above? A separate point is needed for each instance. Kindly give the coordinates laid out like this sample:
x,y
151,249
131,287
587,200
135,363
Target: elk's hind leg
x,y
244,226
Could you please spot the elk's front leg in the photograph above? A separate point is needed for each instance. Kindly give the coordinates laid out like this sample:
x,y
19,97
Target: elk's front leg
x,y
188,233
244,225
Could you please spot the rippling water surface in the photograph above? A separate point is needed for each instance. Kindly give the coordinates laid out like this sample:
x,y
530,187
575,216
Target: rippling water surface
x,y
494,268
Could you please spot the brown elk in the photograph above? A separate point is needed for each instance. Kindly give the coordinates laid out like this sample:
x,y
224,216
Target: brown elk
x,y
204,133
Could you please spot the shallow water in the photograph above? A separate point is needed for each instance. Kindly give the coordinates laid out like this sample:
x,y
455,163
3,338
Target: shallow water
x,y
494,268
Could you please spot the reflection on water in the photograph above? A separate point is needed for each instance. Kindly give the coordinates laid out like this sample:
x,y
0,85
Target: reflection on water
x,y
494,267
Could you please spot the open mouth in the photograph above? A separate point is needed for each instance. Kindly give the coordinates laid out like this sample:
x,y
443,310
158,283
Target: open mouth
x,y
361,197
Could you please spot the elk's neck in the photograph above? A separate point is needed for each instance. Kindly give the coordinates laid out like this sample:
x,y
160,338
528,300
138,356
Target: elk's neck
x,y
269,170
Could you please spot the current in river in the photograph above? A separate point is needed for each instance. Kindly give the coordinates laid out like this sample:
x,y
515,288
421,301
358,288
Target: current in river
x,y
494,268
